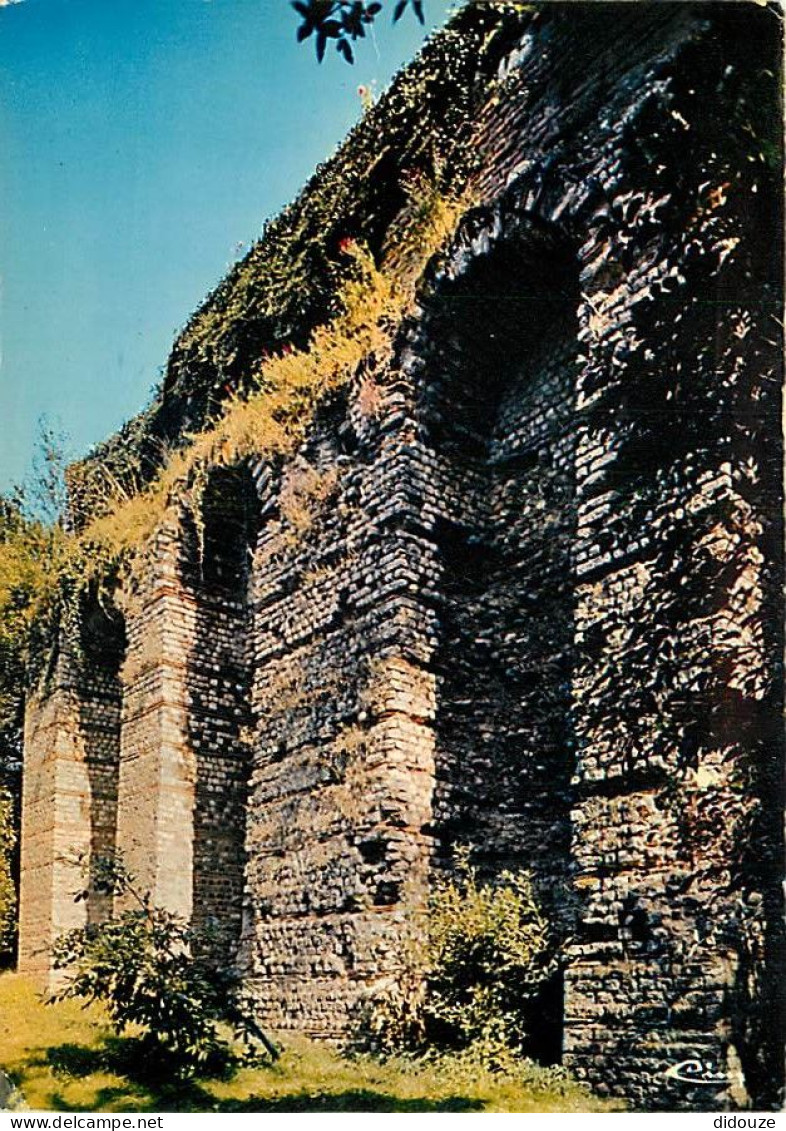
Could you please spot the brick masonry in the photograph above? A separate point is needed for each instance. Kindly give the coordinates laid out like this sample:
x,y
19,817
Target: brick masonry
x,y
519,590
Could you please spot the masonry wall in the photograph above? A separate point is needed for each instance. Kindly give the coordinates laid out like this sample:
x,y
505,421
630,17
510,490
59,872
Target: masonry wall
x,y
183,765
219,715
157,765
676,689
340,781
496,411
390,649
519,589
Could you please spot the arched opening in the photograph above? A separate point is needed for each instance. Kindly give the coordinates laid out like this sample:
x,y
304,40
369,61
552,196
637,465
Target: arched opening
x,y
230,517
102,647
218,680
498,411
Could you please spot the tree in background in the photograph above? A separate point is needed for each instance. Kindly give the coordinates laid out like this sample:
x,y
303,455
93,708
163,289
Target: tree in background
x,y
8,898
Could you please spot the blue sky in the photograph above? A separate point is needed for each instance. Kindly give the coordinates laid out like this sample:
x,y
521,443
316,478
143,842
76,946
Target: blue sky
x,y
144,142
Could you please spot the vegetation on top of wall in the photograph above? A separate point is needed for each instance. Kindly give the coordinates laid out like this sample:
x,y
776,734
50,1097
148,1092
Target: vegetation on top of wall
x,y
272,420
290,282
45,570
315,300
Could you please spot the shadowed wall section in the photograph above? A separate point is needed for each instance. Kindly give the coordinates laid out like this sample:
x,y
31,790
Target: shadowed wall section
x,y
496,412
219,667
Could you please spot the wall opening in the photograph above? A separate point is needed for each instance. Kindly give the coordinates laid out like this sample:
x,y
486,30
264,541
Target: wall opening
x,y
498,412
102,645
219,689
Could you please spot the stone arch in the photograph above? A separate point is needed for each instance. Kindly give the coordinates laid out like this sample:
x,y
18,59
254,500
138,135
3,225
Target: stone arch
x,y
230,521
184,764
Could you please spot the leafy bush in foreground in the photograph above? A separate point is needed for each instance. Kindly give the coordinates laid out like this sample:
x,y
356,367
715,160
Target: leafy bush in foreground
x,y
485,955
153,970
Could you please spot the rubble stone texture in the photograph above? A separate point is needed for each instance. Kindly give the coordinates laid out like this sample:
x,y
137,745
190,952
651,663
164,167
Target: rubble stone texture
x,y
519,590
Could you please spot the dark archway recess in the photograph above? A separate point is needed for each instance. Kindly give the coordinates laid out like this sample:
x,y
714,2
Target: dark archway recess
x,y
230,517
218,711
102,648
498,409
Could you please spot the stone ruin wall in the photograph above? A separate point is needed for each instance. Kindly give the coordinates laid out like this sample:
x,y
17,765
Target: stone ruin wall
x,y
520,590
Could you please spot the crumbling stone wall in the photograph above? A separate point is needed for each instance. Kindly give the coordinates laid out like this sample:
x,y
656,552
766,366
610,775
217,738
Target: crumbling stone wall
x,y
520,588
340,782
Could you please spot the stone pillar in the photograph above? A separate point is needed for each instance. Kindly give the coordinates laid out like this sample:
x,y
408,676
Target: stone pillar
x,y
677,562
183,768
69,799
55,821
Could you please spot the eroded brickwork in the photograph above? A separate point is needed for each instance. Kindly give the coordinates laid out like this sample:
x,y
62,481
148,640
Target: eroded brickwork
x,y
519,589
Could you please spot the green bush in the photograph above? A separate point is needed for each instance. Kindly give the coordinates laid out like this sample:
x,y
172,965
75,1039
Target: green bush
x,y
483,957
154,971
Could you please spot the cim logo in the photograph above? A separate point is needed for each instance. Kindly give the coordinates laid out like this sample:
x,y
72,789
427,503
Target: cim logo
x,y
695,1071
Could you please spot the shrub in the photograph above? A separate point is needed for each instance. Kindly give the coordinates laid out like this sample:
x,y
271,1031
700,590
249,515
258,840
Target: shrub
x,y
154,971
473,980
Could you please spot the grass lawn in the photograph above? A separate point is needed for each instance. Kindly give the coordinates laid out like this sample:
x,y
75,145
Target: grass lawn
x,y
64,1058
